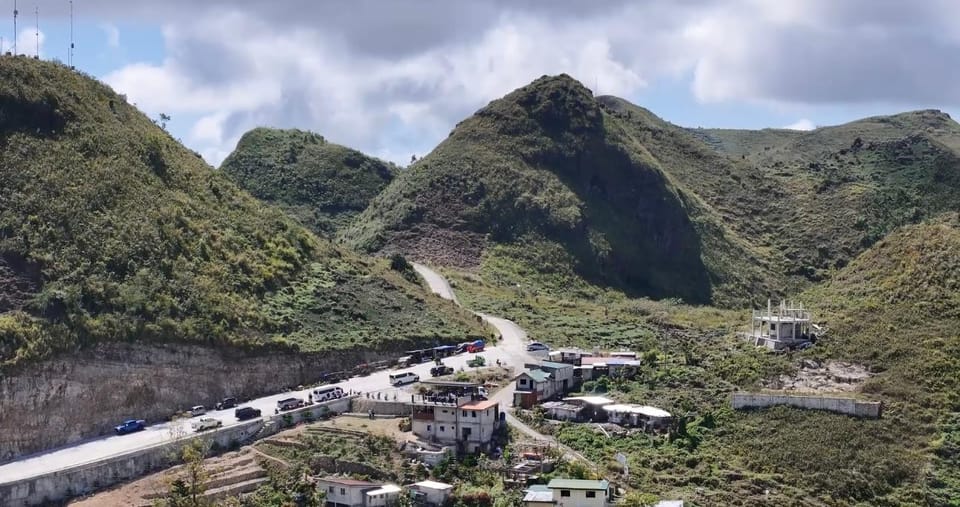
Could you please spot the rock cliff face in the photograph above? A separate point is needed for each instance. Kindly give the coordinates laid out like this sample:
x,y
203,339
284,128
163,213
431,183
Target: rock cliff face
x,y
84,395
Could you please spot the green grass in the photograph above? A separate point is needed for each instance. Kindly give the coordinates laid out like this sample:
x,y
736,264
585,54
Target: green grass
x,y
110,230
321,184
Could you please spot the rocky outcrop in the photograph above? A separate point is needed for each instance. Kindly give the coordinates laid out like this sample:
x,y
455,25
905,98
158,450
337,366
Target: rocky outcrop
x,y
83,395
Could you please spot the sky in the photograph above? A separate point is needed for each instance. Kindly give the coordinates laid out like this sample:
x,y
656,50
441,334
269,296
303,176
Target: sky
x,y
393,77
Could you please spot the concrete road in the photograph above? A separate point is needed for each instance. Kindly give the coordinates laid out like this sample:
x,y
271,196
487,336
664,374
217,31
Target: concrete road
x,y
510,351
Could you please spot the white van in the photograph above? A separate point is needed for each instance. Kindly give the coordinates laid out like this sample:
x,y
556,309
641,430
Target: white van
x,y
399,379
327,393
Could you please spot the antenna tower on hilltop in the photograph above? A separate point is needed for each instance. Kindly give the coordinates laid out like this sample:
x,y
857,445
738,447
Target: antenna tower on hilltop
x,y
36,34
70,54
15,27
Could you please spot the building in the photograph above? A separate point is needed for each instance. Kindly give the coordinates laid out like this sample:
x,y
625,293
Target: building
x,y
453,413
563,411
569,493
430,493
784,327
596,367
649,418
538,496
542,382
591,407
560,373
342,492
384,496
569,356
532,387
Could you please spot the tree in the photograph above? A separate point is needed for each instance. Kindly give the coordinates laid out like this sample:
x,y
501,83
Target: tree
x,y
187,490
164,118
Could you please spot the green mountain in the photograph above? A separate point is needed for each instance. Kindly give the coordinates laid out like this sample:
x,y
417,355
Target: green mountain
x,y
110,230
547,183
321,184
824,196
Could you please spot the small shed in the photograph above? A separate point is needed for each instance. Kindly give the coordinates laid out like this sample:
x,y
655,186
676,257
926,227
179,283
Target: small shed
x,y
638,415
563,411
383,496
592,406
431,493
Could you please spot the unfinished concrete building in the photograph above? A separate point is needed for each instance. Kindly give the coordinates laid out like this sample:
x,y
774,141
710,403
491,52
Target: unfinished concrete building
x,y
785,326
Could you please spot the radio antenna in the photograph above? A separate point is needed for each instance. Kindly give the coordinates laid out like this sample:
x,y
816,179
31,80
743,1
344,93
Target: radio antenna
x,y
14,27
36,34
70,54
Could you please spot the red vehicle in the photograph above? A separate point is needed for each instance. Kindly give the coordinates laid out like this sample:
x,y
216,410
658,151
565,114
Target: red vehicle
x,y
475,347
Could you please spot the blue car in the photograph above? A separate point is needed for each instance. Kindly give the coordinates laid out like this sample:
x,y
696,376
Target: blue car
x,y
131,426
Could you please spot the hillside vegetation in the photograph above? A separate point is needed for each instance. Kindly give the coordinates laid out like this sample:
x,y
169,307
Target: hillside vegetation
x,y
545,182
822,197
111,231
321,184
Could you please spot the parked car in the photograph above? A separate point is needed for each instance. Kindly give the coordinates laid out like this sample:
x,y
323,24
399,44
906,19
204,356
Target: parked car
x,y
441,370
227,403
197,410
206,423
475,347
130,426
536,346
289,403
477,362
327,393
244,413
399,379
482,393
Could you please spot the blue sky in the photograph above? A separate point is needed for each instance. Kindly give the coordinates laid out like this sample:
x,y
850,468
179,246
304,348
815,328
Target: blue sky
x,y
393,78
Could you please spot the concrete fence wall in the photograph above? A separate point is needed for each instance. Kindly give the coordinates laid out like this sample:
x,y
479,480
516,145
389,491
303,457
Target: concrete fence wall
x,y
849,406
90,477
381,407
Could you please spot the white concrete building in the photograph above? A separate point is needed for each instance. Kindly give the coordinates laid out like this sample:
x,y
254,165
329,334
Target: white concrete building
x,y
384,496
785,326
469,426
430,493
341,492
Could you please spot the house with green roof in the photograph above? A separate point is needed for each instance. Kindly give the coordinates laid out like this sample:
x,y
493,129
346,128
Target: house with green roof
x,y
570,493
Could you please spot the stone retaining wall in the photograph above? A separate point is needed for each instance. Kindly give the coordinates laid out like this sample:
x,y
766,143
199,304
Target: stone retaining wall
x,y
849,406
90,477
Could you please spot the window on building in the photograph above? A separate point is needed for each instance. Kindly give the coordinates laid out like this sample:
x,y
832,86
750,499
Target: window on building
x,y
473,413
343,491
331,489
523,381
441,429
464,413
428,427
564,492
591,494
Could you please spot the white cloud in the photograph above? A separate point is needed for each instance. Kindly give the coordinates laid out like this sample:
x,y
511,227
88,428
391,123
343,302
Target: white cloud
x,y
112,34
27,42
391,78
801,124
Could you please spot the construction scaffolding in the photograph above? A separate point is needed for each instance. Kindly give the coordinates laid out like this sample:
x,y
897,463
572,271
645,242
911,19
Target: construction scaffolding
x,y
780,327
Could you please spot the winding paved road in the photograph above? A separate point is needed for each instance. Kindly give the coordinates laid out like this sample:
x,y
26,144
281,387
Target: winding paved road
x,y
511,351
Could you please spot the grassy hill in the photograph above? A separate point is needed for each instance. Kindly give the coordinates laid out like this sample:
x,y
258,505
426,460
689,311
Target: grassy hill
x,y
894,309
110,230
321,184
828,194
545,184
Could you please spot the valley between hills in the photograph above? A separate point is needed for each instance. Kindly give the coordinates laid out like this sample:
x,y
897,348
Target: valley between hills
x,y
135,279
